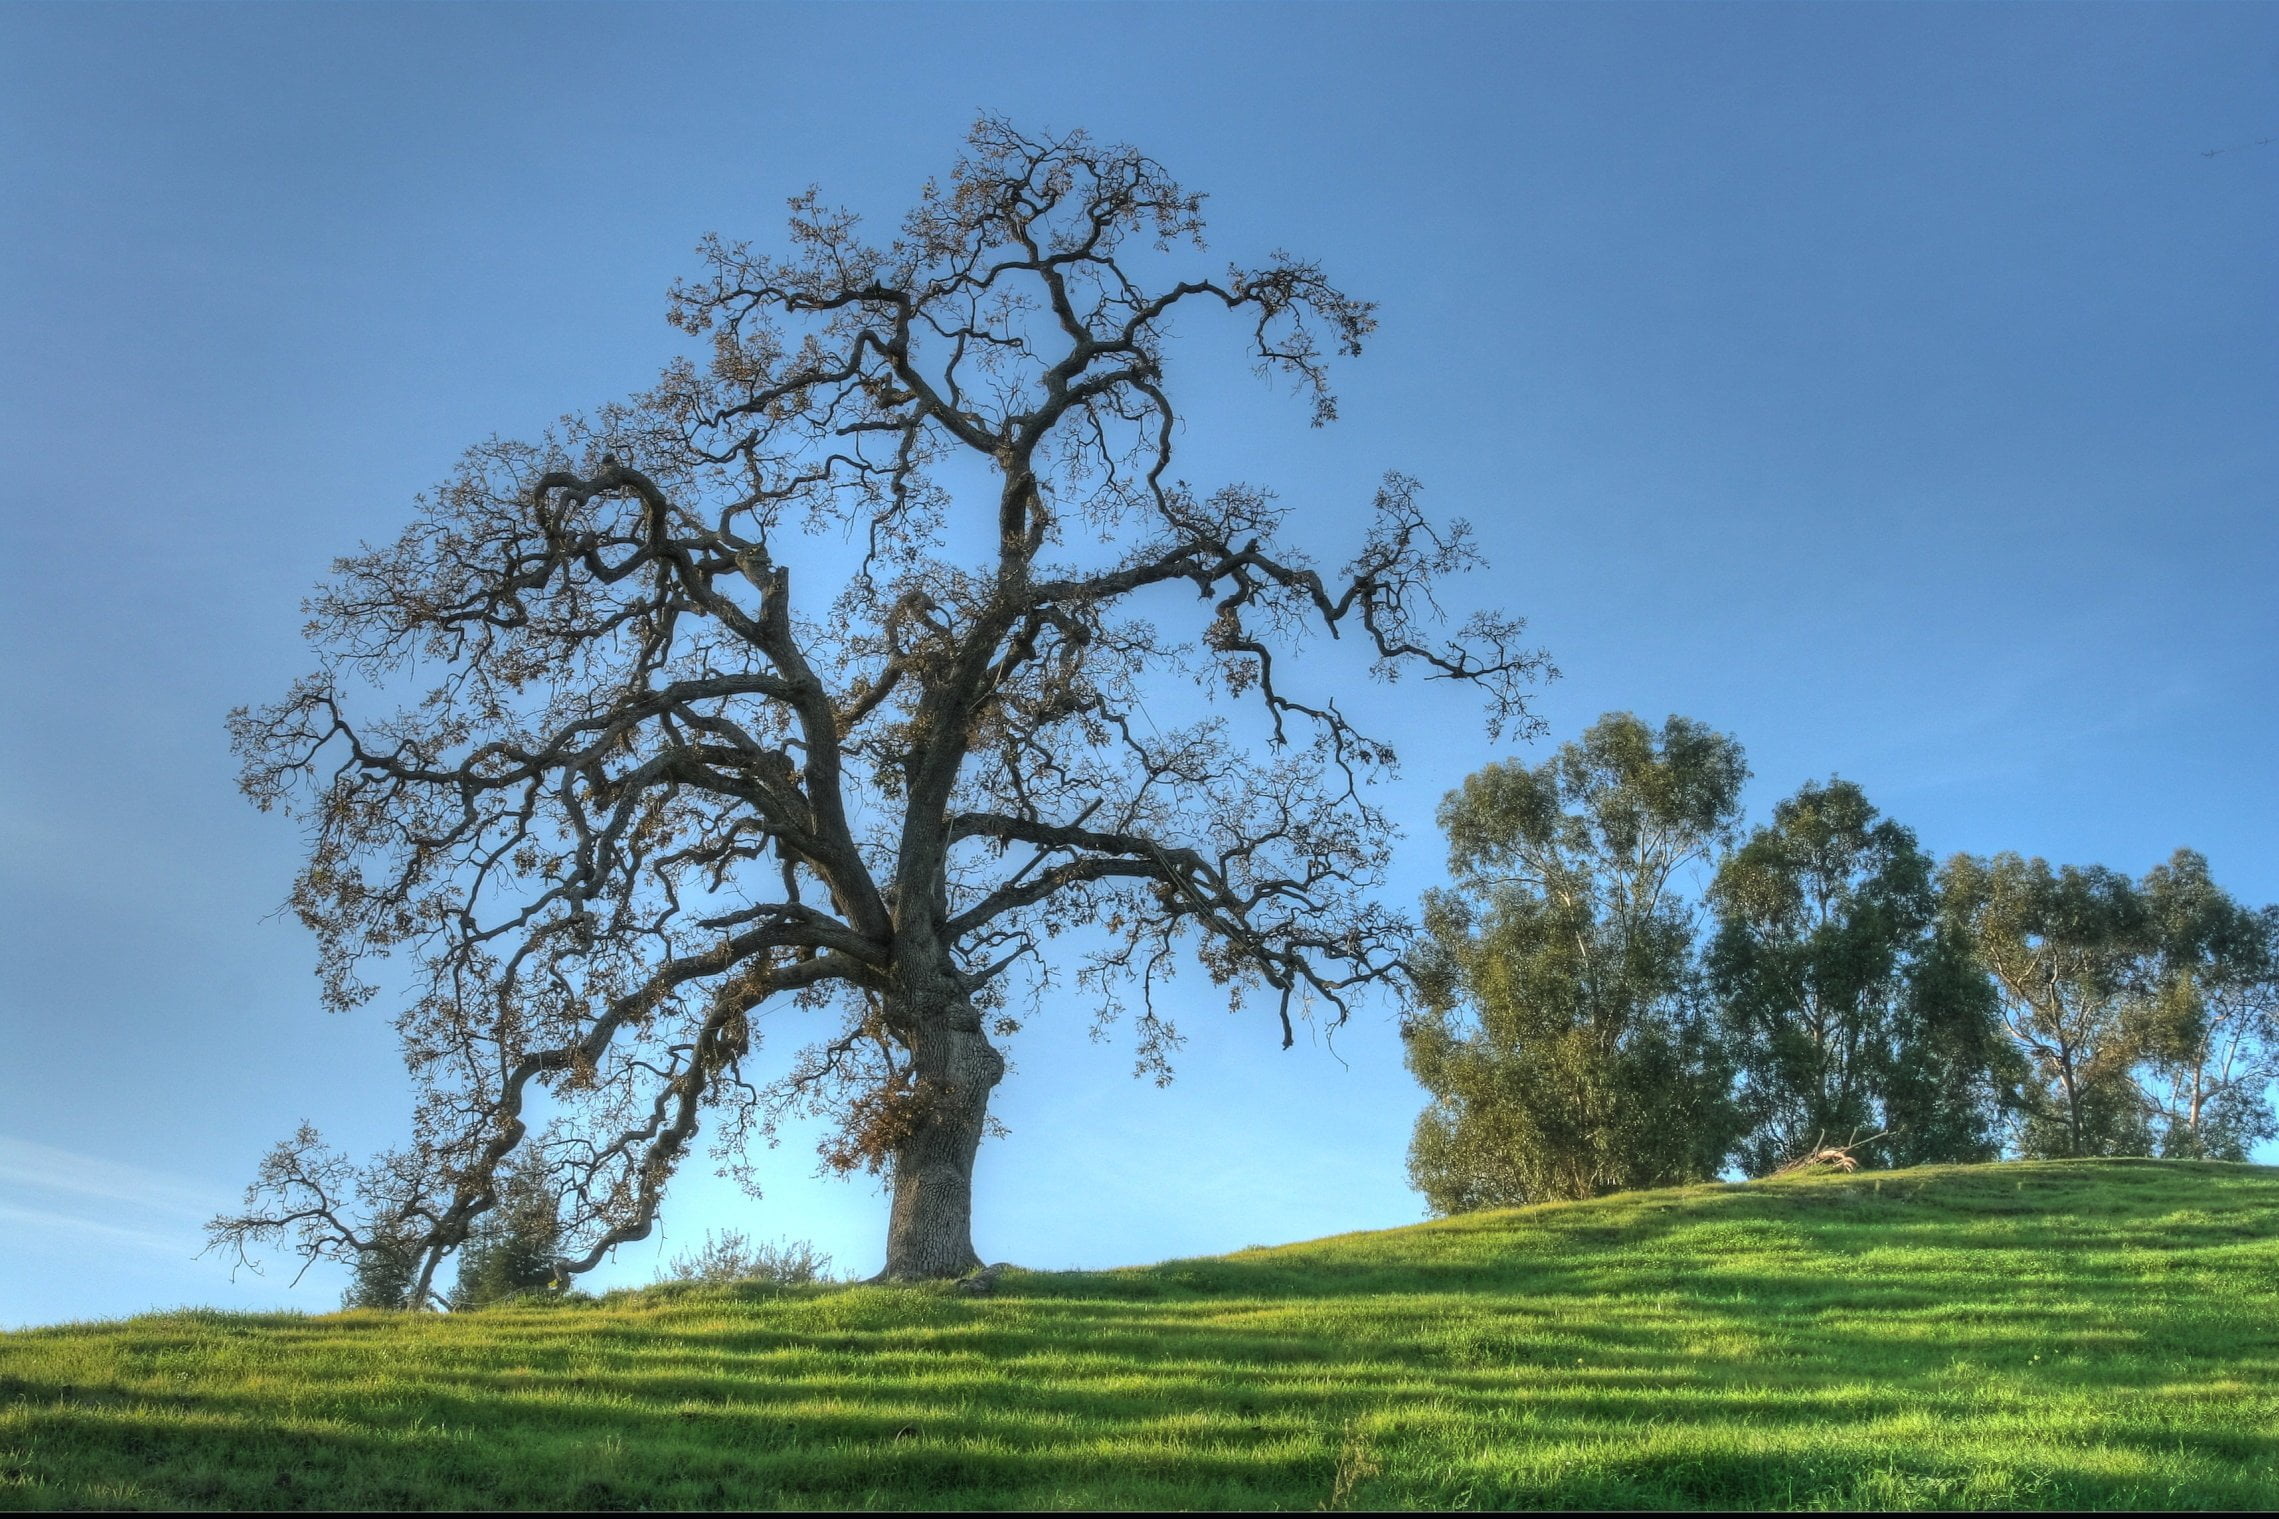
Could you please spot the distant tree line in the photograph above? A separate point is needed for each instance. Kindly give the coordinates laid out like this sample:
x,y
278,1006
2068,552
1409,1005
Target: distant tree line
x,y
1620,988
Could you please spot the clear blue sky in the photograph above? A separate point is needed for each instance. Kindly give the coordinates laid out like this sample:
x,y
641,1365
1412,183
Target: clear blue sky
x,y
1894,387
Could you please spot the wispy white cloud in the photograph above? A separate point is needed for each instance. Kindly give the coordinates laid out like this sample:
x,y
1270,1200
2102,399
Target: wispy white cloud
x,y
67,1228
60,1192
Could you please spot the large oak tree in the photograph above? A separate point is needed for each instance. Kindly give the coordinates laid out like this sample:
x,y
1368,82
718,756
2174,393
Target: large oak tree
x,y
649,785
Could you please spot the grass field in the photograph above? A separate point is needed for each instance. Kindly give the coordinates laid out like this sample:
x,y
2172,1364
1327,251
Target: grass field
x,y
2084,1334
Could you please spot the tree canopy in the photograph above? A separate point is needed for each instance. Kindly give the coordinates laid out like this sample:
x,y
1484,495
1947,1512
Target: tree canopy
x,y
1850,1005
1845,1014
1560,1039
2064,947
2207,1018
647,785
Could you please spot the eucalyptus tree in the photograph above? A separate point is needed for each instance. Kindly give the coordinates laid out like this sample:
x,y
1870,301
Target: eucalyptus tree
x,y
1560,1036
656,786
1952,1092
2065,949
2207,1016
1836,998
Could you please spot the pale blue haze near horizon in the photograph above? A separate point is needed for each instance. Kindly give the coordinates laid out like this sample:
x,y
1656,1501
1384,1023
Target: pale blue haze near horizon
x,y
1893,387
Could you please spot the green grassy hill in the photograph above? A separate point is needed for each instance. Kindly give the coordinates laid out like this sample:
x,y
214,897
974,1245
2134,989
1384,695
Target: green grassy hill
x,y
2032,1335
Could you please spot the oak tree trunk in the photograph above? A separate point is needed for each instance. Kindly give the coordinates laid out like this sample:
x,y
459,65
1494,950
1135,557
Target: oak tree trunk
x,y
930,1233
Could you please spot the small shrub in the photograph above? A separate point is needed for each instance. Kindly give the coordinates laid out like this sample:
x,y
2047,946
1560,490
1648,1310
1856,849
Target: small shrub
x,y
544,1297
730,1256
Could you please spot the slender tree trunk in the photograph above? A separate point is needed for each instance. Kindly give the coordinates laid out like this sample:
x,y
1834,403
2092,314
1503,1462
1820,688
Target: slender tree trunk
x,y
2072,1095
930,1232
2199,1075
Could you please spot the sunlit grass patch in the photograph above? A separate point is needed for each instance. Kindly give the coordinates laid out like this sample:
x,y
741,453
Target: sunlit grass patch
x,y
2076,1335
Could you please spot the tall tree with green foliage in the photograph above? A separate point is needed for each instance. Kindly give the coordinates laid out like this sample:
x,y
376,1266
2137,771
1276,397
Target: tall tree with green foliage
x,y
1951,1094
2206,1022
1560,1036
1834,997
2064,947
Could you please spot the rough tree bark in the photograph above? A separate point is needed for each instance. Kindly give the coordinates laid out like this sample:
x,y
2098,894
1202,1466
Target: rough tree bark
x,y
930,1230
